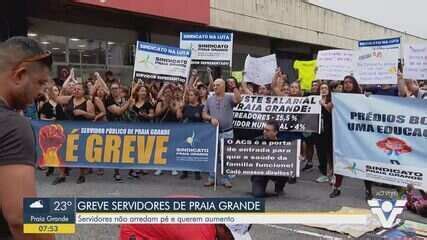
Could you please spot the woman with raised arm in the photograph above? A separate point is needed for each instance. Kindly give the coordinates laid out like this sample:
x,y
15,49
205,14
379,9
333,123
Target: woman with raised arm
x,y
141,111
50,110
100,83
246,88
194,78
98,98
166,105
68,86
203,93
144,105
90,86
188,113
279,84
76,108
231,84
166,110
117,106
155,88
211,78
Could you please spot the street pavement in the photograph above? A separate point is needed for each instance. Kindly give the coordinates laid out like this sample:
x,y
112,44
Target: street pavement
x,y
306,195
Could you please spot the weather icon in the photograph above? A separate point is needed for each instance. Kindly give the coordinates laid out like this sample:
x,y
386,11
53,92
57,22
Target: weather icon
x,y
37,204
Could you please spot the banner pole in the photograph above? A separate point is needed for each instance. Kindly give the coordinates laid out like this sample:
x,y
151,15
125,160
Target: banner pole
x,y
216,157
298,158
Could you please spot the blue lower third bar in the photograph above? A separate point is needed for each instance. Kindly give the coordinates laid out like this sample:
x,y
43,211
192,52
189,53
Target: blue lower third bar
x,y
169,205
49,210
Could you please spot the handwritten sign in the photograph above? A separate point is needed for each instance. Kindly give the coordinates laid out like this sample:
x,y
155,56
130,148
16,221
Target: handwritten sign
x,y
415,62
334,64
260,70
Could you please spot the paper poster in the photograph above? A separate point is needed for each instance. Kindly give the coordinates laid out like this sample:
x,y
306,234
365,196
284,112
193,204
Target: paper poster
x,y
260,70
334,64
377,61
415,59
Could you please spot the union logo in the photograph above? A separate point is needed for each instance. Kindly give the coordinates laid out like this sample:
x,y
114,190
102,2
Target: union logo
x,y
353,169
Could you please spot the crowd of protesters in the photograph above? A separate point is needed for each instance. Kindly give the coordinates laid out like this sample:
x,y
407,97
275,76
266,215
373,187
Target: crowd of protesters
x,y
25,70
107,99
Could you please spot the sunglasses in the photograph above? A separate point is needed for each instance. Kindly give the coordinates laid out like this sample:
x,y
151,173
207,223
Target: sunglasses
x,y
45,58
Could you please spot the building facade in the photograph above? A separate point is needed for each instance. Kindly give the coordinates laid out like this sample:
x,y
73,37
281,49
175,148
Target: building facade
x,y
96,35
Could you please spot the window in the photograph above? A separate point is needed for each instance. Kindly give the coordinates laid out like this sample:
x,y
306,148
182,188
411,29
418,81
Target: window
x,y
55,44
87,55
84,51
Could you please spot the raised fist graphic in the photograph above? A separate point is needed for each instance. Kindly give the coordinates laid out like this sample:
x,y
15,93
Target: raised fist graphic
x,y
51,139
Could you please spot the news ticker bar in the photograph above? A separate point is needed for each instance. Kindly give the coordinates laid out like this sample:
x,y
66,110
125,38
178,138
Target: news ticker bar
x,y
60,215
220,218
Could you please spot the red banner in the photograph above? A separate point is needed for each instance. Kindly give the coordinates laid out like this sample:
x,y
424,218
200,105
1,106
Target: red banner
x,y
197,11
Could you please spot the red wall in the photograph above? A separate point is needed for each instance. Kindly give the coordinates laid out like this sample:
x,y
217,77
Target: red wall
x,y
197,11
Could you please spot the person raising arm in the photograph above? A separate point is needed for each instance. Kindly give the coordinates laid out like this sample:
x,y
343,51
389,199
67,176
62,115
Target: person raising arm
x,y
244,87
116,105
97,100
76,108
100,83
194,78
68,85
219,112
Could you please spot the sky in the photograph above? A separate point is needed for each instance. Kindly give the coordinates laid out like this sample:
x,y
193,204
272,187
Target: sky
x,y
403,15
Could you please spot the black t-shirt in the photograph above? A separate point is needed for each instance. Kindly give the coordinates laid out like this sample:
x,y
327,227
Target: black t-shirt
x,y
307,94
145,108
393,91
111,116
327,122
69,110
53,112
17,146
168,115
193,113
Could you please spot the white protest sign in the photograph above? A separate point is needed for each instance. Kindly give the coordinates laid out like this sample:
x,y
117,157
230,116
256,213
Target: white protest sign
x,y
209,48
377,61
159,62
334,64
260,70
415,56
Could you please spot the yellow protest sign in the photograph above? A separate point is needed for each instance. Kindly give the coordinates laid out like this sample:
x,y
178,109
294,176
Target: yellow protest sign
x,y
238,75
